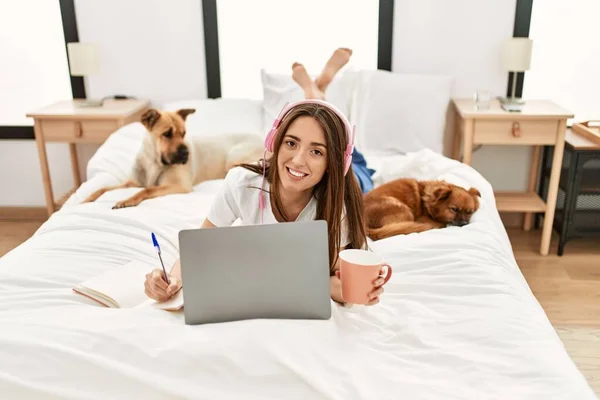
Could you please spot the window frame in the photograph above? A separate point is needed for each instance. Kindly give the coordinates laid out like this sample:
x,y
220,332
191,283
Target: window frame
x,y
520,29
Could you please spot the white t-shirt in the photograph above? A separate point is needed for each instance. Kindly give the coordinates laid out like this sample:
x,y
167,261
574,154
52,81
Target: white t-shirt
x,y
238,198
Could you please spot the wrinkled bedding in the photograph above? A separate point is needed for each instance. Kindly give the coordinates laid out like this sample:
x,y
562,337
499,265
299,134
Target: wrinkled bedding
x,y
457,319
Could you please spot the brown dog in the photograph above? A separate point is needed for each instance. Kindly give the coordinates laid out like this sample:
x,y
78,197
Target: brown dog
x,y
405,206
170,162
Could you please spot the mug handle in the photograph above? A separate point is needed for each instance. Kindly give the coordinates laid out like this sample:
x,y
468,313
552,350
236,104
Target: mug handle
x,y
388,274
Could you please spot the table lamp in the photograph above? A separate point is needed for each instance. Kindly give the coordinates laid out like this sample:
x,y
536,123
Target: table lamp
x,y
516,57
83,61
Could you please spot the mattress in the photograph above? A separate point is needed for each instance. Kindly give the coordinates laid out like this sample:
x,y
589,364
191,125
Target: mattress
x,y
457,319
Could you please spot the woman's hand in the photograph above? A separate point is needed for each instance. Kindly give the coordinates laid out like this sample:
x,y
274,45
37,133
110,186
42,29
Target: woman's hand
x,y
157,288
376,292
336,289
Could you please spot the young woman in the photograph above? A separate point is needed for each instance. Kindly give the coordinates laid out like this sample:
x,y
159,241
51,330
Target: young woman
x,y
307,176
316,90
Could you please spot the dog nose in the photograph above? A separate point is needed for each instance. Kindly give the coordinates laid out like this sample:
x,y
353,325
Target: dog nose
x,y
460,223
182,150
182,154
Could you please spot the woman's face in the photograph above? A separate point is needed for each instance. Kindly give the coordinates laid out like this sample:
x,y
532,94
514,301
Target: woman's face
x,y
302,158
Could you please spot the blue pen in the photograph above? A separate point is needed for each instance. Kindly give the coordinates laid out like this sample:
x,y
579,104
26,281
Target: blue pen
x,y
157,247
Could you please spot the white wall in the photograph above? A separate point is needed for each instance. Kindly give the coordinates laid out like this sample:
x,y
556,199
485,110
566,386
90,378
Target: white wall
x,y
27,84
462,38
151,49
21,176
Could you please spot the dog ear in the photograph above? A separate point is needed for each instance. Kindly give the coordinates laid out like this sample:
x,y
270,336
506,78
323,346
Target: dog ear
x,y
442,194
150,117
184,112
474,192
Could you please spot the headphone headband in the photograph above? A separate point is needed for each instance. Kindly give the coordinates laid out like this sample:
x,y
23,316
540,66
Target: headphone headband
x,y
350,131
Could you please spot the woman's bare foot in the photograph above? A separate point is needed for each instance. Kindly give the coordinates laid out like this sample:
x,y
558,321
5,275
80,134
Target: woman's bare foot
x,y
338,59
311,91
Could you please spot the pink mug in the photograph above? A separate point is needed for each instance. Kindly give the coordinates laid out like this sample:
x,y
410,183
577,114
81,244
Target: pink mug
x,y
358,270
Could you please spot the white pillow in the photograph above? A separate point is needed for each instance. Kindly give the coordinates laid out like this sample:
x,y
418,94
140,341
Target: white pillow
x,y
116,156
279,89
222,115
399,113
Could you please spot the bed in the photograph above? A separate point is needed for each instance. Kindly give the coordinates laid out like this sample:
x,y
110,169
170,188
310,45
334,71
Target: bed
x,y
457,320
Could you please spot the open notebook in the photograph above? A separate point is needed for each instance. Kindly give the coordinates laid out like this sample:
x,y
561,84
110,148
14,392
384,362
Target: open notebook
x,y
123,287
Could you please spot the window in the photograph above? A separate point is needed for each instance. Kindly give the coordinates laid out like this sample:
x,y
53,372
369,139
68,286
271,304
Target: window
x,y
565,56
272,34
34,66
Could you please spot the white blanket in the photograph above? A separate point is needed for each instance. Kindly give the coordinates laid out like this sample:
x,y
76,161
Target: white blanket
x,y
457,319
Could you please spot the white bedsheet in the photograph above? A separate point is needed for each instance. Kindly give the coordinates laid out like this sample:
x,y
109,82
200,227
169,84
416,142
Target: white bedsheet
x,y
457,320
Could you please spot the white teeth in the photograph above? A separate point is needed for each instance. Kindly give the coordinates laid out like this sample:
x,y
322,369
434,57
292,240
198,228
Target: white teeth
x,y
296,173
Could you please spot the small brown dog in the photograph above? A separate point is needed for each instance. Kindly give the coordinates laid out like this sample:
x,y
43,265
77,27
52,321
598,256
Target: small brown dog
x,y
169,162
405,206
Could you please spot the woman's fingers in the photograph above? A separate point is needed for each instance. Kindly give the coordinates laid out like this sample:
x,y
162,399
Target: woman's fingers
x,y
376,293
149,291
174,286
373,301
158,278
157,283
155,287
378,282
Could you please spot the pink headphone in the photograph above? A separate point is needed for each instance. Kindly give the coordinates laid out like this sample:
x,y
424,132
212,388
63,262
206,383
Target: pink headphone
x,y
270,138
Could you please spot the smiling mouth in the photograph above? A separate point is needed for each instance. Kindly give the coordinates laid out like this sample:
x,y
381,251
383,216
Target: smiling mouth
x,y
296,175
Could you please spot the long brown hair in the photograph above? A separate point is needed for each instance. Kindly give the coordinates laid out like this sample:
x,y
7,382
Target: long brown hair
x,y
334,190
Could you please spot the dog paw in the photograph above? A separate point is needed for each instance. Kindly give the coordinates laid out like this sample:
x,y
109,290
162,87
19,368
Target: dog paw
x,y
124,204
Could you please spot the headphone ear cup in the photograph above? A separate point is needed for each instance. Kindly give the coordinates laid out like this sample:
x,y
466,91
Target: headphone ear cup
x,y
269,140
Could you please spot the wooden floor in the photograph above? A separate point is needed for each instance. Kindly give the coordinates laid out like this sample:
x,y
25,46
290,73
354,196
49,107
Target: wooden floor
x,y
567,287
13,233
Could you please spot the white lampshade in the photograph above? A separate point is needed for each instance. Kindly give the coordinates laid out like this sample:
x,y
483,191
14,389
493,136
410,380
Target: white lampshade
x,y
516,54
83,59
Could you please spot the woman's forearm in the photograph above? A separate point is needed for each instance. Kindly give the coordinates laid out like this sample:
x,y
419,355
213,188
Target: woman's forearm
x,y
335,288
335,285
176,270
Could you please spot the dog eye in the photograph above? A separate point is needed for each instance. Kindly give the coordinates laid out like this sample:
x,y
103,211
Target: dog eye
x,y
168,134
453,209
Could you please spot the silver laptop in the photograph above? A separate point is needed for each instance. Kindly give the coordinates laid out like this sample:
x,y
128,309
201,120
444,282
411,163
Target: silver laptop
x,y
258,271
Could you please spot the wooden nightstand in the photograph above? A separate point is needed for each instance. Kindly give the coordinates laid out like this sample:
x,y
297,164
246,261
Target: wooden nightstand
x,y
64,122
541,123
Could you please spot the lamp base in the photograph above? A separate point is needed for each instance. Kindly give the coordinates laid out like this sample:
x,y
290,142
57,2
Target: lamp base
x,y
86,103
511,104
